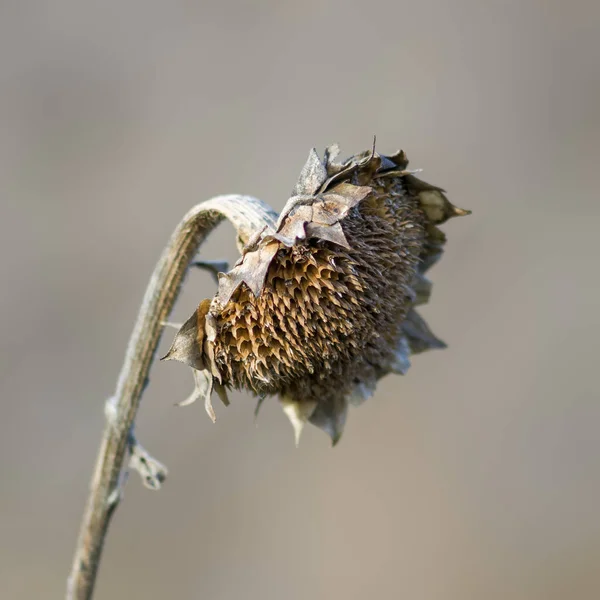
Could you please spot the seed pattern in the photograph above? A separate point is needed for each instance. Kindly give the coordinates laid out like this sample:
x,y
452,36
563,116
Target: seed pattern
x,y
319,309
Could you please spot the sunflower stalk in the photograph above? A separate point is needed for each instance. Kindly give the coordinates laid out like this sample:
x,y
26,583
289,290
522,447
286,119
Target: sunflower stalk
x,y
318,308
248,216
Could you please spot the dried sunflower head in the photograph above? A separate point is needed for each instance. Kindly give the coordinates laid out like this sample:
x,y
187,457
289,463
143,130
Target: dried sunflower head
x,y
321,303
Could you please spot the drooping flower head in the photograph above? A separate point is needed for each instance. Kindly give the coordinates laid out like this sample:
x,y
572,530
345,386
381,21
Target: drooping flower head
x,y
321,303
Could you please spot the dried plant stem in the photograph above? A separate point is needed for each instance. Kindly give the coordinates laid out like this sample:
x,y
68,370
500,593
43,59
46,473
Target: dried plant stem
x,y
248,216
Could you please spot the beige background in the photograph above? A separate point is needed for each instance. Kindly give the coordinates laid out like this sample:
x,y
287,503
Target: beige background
x,y
478,474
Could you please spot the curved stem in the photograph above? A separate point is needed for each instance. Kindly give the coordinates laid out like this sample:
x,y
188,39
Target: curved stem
x,y
248,216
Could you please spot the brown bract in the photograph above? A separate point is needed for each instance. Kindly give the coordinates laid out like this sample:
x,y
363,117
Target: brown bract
x,y
321,305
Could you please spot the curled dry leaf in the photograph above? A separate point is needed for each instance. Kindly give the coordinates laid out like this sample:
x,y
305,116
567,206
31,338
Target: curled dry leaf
x,y
320,304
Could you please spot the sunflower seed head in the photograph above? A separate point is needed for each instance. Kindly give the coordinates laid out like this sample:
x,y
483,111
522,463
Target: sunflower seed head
x,y
320,305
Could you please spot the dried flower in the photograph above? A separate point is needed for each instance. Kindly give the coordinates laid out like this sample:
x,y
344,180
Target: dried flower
x,y
321,304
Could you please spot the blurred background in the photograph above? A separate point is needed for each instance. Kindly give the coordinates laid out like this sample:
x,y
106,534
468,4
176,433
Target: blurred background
x,y
475,476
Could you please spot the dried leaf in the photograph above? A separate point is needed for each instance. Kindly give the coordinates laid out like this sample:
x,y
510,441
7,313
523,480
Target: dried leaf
x,y
387,164
429,259
348,194
221,392
293,203
329,211
399,159
214,267
187,345
252,271
298,413
331,153
362,391
209,357
312,176
328,233
210,327
434,202
203,385
152,472
292,227
396,173
330,416
400,360
259,402
339,174
422,287
420,337
318,217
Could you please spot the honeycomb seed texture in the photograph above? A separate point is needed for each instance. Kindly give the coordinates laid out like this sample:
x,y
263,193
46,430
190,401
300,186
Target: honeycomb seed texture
x,y
322,305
